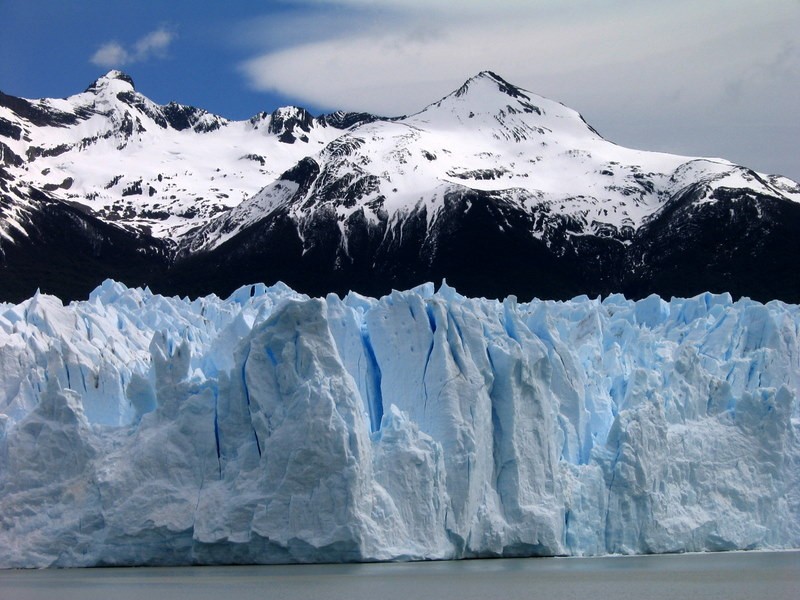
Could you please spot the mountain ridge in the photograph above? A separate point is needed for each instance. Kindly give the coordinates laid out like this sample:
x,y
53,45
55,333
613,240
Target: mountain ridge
x,y
492,187
136,160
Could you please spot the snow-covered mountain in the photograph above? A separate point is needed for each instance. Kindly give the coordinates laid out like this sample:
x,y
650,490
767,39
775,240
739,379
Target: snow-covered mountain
x,y
490,137
270,427
161,169
501,191
495,188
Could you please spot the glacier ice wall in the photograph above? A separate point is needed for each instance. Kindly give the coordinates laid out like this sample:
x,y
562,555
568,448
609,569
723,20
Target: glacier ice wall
x,y
270,427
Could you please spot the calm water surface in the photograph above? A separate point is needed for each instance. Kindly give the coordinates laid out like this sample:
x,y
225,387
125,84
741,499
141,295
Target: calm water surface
x,y
745,575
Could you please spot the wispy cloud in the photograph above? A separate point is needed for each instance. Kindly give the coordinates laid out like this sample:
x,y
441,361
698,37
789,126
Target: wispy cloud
x,y
390,61
699,78
153,45
110,54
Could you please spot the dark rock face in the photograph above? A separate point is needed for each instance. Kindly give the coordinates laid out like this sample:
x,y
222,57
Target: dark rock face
x,y
481,242
670,257
346,120
9,129
67,252
38,116
744,243
119,75
291,124
484,245
8,157
741,243
182,117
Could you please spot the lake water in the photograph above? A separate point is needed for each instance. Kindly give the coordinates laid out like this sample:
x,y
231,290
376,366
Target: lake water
x,y
745,575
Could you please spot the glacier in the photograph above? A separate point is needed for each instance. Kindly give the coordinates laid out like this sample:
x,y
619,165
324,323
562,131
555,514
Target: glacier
x,y
270,427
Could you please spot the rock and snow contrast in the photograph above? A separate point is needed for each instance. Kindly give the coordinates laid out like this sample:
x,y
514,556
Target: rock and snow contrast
x,y
490,137
159,169
274,427
191,203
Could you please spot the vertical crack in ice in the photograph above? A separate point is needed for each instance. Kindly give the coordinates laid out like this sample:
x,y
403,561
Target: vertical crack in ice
x,y
751,373
431,316
83,378
508,323
432,323
497,453
567,514
247,399
297,358
216,431
271,356
458,354
374,392
199,497
610,487
425,377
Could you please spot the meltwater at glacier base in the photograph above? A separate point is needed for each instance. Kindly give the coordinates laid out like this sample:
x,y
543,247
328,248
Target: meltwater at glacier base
x,y
270,427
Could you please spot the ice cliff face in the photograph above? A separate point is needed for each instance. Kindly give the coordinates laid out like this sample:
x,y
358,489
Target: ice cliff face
x,y
271,427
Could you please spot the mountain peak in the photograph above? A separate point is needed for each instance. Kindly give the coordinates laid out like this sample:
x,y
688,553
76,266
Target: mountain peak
x,y
488,102
110,78
492,78
486,93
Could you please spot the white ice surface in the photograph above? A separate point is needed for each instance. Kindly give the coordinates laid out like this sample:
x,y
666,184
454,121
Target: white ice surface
x,y
270,427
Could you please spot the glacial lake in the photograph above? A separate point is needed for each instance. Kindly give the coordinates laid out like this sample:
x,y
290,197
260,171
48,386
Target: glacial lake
x,y
732,576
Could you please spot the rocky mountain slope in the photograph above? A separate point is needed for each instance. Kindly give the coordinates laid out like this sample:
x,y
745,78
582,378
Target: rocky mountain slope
x,y
494,188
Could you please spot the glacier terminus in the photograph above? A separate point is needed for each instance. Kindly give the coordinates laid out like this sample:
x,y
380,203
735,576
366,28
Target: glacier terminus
x,y
271,427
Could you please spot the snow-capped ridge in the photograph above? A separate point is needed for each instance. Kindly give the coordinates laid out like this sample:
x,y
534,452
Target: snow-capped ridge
x,y
490,157
502,85
487,99
488,136
138,164
108,79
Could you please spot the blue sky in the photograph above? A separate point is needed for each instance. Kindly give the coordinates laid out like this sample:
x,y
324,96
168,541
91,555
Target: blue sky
x,y
701,77
47,46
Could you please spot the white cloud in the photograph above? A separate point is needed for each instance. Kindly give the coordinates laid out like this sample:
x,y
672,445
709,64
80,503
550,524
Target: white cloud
x,y
152,45
635,68
109,55
392,65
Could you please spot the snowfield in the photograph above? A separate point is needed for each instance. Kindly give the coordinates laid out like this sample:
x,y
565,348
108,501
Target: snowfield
x,y
272,427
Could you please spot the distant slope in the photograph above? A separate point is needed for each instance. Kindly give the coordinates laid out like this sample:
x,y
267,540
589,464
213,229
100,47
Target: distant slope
x,y
503,192
61,250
